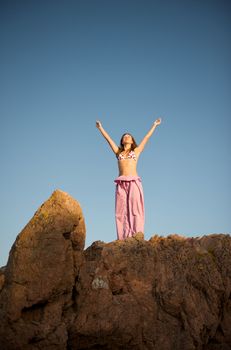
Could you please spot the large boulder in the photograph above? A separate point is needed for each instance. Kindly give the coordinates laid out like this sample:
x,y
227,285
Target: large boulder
x,y
40,275
168,293
171,293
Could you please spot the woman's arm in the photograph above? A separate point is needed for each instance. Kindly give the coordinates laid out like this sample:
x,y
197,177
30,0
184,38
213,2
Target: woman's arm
x,y
112,144
147,136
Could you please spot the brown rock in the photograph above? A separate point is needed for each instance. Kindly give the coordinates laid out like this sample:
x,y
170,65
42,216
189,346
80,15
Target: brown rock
x,y
167,293
2,277
40,275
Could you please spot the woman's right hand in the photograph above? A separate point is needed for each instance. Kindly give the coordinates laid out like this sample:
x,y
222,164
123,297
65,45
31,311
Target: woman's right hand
x,y
98,124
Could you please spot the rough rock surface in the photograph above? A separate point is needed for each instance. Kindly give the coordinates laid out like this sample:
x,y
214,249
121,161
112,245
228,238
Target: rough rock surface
x,y
167,293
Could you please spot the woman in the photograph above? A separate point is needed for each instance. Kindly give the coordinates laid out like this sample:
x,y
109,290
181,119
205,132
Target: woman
x,y
129,198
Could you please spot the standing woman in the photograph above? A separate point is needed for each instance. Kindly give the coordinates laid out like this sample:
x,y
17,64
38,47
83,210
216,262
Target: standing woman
x,y
129,198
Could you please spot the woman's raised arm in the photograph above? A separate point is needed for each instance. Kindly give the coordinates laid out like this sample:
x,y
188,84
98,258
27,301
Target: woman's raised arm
x,y
112,144
140,147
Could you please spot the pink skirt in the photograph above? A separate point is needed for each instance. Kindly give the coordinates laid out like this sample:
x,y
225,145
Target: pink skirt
x,y
129,206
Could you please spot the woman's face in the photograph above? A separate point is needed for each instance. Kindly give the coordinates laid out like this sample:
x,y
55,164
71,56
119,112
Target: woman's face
x,y
127,139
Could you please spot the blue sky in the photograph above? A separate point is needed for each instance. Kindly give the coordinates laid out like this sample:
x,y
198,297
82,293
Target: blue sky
x,y
66,64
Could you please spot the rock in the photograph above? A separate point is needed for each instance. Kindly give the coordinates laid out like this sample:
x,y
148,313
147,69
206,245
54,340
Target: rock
x,y
167,293
40,275
2,277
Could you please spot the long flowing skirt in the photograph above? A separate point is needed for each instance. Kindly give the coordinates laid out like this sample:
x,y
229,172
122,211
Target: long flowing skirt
x,y
129,206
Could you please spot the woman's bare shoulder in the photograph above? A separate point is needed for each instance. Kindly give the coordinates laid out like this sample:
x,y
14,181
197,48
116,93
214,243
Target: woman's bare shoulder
x,y
137,151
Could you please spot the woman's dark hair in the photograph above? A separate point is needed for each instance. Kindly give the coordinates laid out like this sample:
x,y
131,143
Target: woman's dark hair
x,y
133,145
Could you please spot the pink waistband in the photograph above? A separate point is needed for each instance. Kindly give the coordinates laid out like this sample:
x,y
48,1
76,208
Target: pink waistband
x,y
127,178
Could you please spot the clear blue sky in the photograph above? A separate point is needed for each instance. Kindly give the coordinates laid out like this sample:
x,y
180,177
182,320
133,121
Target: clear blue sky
x,y
65,64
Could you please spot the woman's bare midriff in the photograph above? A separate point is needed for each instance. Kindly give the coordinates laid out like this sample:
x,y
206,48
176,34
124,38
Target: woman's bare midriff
x,y
127,167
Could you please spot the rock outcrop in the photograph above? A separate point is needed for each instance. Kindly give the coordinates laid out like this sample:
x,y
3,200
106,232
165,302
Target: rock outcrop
x,y
167,293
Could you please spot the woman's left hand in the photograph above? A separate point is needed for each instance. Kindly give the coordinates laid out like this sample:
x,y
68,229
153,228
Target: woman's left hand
x,y
157,121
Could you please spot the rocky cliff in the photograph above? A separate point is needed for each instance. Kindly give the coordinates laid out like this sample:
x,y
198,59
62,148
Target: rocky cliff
x,y
165,293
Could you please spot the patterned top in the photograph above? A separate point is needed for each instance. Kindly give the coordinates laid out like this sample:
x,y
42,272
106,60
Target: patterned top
x,y
131,155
